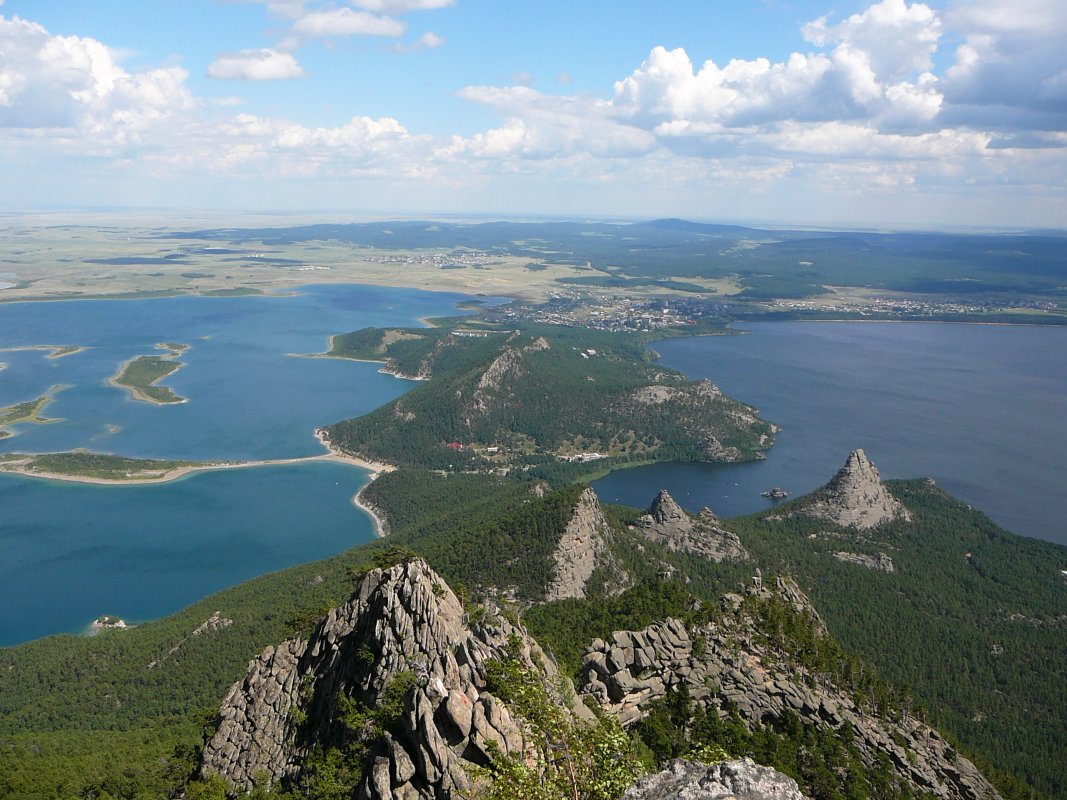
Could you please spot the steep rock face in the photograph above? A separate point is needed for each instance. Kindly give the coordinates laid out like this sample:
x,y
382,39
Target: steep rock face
x,y
856,497
732,665
502,372
686,780
402,620
581,549
668,524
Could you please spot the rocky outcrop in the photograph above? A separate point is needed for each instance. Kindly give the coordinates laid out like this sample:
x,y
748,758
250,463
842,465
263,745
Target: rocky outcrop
x,y
730,663
880,562
667,523
581,549
732,780
403,622
855,497
505,369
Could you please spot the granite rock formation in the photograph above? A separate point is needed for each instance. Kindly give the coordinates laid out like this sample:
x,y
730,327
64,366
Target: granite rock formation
x,y
729,662
856,497
880,562
581,549
732,780
401,620
667,523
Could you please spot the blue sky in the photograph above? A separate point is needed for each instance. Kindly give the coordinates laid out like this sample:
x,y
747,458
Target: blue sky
x,y
887,113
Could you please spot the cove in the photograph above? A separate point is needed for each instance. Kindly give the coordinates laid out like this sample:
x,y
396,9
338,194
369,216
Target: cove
x,y
72,552
980,408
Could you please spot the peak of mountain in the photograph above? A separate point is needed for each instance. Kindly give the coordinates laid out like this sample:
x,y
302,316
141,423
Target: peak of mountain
x,y
668,524
403,633
666,511
855,497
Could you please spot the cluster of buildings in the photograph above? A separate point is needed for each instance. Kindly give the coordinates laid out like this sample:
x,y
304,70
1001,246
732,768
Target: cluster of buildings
x,y
611,314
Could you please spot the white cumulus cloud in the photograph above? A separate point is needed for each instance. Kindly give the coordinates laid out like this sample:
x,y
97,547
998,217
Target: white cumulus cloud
x,y
76,82
346,22
401,6
256,65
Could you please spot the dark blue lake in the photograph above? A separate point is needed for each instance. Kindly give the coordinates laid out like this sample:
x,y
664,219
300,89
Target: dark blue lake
x,y
71,552
980,408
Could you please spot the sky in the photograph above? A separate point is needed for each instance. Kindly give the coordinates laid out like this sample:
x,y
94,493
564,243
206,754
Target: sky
x,y
815,112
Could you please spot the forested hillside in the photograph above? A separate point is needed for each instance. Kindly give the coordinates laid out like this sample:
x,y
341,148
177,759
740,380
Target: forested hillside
x,y
540,400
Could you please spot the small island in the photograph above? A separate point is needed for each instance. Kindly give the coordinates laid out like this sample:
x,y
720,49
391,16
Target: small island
x,y
27,412
89,467
54,350
141,374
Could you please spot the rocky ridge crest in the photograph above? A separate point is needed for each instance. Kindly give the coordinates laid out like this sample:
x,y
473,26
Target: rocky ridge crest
x,y
668,524
401,620
727,662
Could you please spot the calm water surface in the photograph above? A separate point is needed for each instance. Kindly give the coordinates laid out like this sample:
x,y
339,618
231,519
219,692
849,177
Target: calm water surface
x,y
71,552
982,409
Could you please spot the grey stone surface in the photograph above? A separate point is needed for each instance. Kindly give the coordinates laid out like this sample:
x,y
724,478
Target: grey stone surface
x,y
400,620
880,562
668,524
855,497
581,549
732,780
729,661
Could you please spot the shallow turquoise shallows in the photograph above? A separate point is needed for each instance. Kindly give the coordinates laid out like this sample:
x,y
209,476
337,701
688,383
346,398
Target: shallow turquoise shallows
x,y
980,408
71,552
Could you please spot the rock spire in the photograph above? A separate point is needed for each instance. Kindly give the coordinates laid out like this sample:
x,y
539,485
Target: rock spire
x,y
856,497
667,523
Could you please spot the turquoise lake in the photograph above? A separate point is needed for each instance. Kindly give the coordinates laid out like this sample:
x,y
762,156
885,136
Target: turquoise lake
x,y
71,552
980,408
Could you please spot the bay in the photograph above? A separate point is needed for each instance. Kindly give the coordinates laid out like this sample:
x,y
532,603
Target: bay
x,y
72,552
980,408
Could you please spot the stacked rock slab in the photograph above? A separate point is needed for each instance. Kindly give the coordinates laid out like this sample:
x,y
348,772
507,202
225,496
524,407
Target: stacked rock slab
x,y
667,523
686,780
856,497
402,619
732,666
581,549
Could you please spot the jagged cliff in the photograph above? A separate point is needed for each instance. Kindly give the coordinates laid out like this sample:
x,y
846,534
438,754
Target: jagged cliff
x,y
730,663
404,621
668,524
855,497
